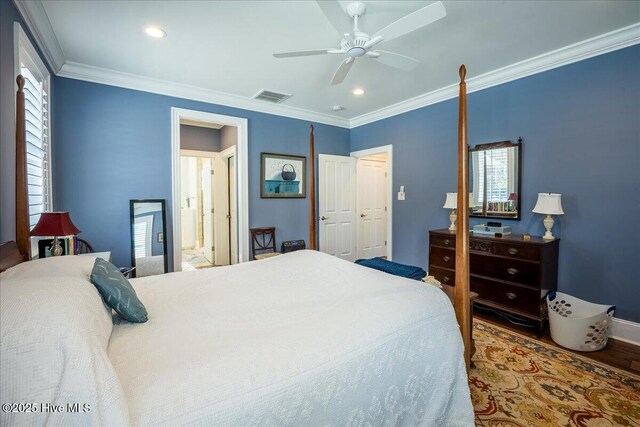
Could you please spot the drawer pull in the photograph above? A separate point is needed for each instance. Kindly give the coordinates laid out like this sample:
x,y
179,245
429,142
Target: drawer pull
x,y
512,251
446,241
446,258
512,271
446,279
511,295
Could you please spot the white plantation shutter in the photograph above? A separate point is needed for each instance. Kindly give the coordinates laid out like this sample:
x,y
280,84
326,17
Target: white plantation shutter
x,y
37,127
142,236
37,115
499,168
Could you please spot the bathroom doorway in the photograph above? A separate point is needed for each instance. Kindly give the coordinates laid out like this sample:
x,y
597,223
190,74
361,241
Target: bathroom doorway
x,y
208,196
231,144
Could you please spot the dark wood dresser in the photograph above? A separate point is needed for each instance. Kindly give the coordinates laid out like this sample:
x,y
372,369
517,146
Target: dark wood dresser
x,y
509,274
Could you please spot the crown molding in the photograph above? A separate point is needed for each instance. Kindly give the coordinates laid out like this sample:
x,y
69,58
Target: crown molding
x,y
163,87
40,27
604,43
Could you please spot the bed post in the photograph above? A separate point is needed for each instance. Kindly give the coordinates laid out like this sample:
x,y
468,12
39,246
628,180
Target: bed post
x,y
312,191
461,299
22,206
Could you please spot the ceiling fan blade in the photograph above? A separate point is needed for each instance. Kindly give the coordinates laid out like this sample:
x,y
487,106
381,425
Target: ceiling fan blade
x,y
396,60
413,21
342,71
336,15
302,53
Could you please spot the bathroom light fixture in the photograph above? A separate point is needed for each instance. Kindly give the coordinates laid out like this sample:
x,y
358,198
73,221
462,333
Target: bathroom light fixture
x,y
155,32
358,91
548,204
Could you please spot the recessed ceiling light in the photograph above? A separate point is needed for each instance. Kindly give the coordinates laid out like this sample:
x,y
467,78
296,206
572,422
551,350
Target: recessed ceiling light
x,y
155,32
358,91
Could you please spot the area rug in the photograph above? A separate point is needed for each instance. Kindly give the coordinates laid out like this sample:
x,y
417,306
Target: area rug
x,y
518,381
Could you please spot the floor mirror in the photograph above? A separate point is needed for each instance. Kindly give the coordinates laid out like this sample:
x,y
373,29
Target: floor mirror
x,y
148,232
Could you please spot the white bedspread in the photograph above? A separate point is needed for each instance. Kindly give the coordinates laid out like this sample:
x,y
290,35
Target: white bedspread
x,y
299,339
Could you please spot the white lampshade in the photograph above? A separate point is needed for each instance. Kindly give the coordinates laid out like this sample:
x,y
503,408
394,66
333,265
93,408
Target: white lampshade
x,y
549,204
452,201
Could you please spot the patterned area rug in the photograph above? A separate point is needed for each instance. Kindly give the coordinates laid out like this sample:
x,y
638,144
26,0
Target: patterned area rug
x,y
518,381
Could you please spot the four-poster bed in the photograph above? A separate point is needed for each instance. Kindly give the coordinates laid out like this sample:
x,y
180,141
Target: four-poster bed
x,y
300,339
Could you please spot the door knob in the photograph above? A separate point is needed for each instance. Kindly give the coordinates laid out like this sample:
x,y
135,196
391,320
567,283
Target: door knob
x,y
324,217
362,215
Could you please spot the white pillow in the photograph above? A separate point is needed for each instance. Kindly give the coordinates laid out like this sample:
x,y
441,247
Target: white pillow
x,y
70,266
55,331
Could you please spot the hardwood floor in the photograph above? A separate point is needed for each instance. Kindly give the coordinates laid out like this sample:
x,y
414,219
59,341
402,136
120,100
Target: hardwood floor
x,y
617,353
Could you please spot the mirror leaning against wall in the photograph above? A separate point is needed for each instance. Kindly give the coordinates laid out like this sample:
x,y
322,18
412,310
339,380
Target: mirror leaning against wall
x,y
495,175
148,237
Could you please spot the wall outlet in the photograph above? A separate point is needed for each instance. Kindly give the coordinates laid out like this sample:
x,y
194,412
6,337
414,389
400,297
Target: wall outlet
x,y
400,195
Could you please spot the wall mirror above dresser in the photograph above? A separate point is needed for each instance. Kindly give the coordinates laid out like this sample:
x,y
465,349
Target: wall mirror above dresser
x,y
148,243
495,175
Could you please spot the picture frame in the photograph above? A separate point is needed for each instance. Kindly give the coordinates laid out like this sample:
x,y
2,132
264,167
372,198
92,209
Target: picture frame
x,y
282,176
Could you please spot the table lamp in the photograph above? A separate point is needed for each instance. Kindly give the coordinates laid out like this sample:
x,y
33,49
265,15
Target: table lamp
x,y
451,203
54,224
549,204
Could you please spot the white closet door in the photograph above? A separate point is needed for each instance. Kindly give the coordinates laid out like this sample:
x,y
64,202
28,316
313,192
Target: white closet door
x,y
372,215
337,203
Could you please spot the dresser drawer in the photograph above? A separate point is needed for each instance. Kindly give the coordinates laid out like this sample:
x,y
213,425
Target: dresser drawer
x,y
522,299
512,270
515,250
448,241
444,276
441,257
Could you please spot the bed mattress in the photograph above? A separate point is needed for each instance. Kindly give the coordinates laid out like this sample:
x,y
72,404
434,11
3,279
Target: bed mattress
x,y
299,339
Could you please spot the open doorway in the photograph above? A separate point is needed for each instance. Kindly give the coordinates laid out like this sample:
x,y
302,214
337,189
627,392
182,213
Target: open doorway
x,y
208,195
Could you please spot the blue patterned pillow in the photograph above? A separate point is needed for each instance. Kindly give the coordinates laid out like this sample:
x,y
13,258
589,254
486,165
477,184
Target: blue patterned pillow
x,y
117,291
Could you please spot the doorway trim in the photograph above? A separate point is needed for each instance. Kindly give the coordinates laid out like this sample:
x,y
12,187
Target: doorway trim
x,y
242,169
388,150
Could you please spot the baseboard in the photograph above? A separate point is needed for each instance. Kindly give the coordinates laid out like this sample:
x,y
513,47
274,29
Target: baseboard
x,y
626,331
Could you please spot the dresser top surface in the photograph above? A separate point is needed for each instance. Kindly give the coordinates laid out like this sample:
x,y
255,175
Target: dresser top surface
x,y
511,238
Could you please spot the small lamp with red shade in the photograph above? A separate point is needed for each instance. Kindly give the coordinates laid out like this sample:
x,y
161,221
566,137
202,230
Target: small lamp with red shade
x,y
55,224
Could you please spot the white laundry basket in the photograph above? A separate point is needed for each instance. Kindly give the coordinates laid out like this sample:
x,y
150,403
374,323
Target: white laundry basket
x,y
577,324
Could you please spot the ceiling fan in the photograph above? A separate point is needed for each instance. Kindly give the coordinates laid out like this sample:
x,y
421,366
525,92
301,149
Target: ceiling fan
x,y
360,44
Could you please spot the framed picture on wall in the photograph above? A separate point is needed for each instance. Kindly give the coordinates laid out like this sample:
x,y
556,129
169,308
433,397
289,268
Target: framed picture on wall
x,y
282,176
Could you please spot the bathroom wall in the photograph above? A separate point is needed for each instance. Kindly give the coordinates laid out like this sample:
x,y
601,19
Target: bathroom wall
x,y
199,138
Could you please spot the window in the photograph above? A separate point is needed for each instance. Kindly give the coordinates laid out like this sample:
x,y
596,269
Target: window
x,y
499,164
37,115
142,226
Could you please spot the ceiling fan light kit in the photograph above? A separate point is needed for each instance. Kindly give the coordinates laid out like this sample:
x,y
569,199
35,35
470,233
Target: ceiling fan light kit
x,y
359,44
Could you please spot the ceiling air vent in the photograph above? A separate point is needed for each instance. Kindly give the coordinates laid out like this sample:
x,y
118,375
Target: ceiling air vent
x,y
271,96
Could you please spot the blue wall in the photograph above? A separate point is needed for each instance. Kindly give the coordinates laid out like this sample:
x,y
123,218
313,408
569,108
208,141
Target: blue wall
x,y
114,144
581,130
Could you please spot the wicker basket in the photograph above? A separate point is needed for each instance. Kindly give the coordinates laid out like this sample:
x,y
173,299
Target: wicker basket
x,y
578,325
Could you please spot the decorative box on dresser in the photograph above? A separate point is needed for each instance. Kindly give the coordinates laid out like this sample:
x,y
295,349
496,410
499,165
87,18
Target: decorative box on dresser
x,y
508,273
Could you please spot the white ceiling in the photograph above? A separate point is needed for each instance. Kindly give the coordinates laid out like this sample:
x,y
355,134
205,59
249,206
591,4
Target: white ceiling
x,y
227,46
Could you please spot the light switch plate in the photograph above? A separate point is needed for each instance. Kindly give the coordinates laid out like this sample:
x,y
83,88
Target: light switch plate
x,y
401,195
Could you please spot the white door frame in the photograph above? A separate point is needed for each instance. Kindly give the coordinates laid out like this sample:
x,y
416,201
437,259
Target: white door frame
x,y
242,168
388,149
